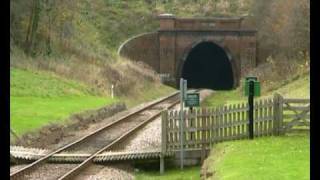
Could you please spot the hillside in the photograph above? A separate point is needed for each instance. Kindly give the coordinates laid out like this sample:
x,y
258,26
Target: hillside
x,y
63,54
97,29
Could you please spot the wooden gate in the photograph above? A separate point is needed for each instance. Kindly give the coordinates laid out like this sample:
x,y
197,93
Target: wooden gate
x,y
296,114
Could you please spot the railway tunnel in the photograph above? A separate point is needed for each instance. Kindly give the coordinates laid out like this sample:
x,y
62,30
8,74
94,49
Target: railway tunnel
x,y
207,65
211,53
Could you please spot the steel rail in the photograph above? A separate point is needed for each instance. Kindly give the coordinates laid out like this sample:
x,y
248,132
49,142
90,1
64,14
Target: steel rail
x,y
75,171
33,165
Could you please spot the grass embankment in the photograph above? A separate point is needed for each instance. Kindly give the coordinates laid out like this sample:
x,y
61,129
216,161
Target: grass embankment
x,y
285,157
39,98
191,173
151,91
299,88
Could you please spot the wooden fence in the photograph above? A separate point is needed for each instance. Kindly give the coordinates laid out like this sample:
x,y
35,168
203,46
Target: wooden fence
x,y
206,126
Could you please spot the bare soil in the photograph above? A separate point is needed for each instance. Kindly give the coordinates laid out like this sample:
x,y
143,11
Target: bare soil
x,y
54,136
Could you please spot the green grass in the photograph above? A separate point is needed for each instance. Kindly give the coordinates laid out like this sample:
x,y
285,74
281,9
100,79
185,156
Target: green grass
x,y
224,97
299,88
192,173
150,92
44,84
39,98
285,158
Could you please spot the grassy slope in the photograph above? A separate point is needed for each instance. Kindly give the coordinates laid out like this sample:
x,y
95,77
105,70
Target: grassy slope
x,y
284,157
191,173
299,88
39,98
149,93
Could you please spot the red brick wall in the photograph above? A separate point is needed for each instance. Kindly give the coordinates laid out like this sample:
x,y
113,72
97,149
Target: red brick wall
x,y
207,24
144,47
164,50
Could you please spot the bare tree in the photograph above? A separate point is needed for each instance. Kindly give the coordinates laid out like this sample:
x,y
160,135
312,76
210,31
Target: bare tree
x,y
33,26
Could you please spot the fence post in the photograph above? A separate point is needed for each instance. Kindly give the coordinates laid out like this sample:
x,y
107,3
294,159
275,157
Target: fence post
x,y
281,130
203,135
164,121
277,113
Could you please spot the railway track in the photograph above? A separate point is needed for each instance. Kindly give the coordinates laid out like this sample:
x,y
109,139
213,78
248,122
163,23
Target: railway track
x,y
95,143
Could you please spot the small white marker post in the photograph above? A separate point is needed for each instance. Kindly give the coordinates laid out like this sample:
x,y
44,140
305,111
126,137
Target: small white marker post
x,y
112,91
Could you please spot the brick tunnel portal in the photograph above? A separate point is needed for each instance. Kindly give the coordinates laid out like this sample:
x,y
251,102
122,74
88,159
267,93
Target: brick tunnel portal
x,y
212,53
207,65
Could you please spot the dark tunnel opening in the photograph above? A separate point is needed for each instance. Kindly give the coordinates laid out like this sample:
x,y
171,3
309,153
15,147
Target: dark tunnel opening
x,y
208,66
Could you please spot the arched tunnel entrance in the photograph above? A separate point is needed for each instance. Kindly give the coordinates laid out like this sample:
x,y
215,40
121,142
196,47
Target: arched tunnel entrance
x,y
208,66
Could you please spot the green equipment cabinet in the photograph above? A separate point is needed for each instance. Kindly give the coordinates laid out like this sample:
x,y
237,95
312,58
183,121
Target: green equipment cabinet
x,y
257,88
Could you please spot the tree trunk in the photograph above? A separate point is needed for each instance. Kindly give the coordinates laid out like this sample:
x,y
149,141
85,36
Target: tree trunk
x,y
32,30
27,41
49,5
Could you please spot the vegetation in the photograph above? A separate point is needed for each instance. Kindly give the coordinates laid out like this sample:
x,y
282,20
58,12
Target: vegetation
x,y
294,88
283,38
49,27
192,173
285,157
284,28
77,40
39,98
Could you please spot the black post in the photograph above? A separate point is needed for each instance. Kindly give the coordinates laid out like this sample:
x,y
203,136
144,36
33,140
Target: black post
x,y
250,102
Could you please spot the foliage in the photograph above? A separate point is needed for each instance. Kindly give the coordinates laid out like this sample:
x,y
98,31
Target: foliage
x,y
50,27
283,28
